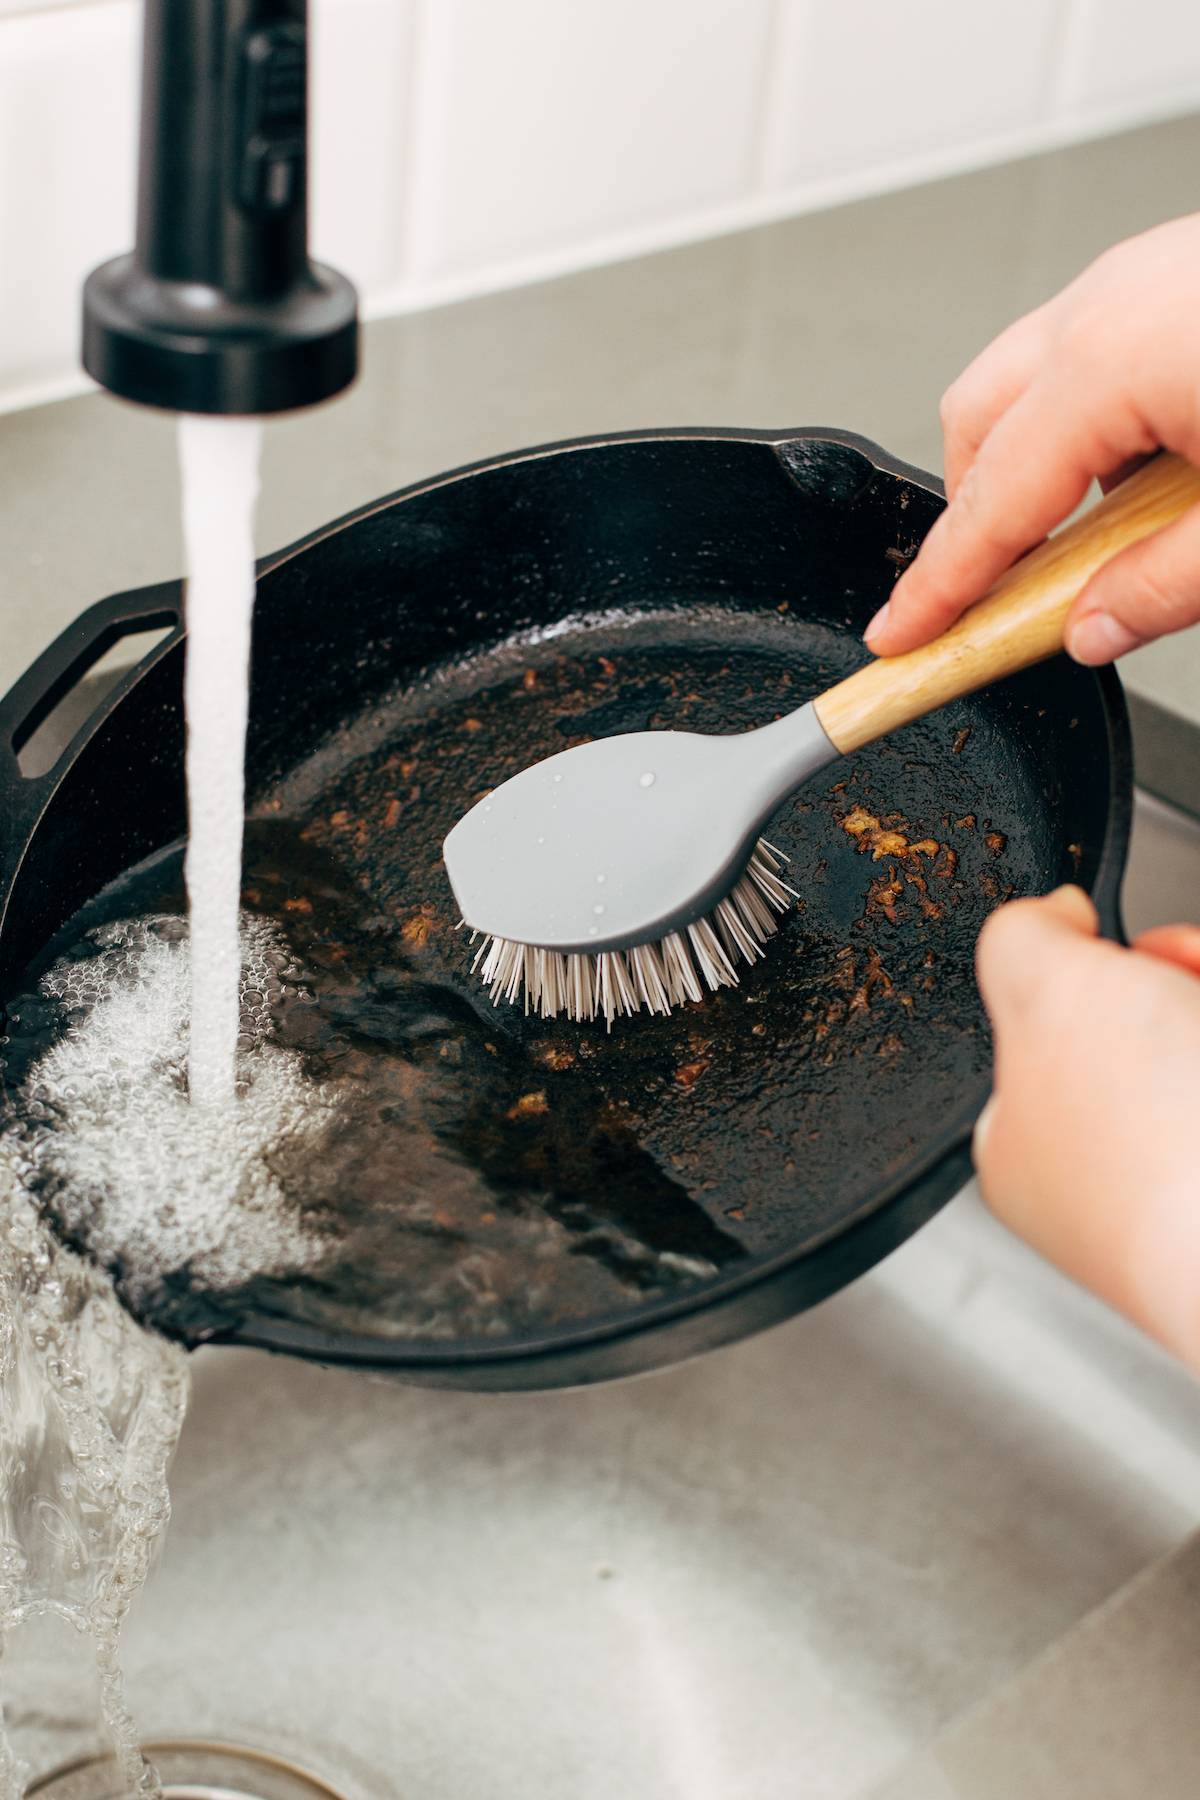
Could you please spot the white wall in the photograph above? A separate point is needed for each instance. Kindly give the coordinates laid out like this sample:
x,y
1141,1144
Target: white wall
x,y
462,145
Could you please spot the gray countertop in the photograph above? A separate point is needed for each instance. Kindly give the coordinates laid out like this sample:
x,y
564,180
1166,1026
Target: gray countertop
x,y
856,317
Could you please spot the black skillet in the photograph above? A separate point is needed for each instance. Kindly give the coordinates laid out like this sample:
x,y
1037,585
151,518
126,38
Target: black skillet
x,y
599,1206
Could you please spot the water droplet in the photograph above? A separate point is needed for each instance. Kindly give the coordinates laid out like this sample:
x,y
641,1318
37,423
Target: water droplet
x,y
647,780
558,777
599,907
541,840
602,878
593,931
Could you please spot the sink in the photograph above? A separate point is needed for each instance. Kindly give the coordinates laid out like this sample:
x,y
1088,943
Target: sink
x,y
775,1572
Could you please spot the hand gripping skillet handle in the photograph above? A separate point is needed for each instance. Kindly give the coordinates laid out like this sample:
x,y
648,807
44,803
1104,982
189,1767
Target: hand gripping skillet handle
x,y
1018,622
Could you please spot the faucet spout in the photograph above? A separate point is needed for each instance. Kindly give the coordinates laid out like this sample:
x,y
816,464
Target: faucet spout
x,y
218,308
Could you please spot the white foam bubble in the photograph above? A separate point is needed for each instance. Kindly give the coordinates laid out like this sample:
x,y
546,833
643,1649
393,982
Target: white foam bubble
x,y
146,1180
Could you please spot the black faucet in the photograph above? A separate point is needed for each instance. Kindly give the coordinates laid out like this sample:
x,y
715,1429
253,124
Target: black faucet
x,y
218,308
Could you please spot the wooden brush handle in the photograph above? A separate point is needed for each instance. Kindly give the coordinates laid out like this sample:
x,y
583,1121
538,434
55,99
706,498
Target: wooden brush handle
x,y
1020,619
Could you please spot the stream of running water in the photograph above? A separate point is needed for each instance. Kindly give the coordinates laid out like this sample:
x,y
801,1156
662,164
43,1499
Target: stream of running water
x,y
219,462
91,1404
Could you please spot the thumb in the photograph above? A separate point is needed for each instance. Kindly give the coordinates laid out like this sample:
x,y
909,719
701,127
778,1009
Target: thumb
x,y
1021,942
1149,589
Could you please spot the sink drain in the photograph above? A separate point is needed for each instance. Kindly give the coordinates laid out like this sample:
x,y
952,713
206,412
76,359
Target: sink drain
x,y
190,1770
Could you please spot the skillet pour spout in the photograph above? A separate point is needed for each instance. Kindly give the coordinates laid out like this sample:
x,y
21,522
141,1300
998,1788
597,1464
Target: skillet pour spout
x,y
510,1203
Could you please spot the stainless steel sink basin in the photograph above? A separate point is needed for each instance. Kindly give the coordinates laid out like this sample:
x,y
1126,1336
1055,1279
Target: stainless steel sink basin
x,y
772,1573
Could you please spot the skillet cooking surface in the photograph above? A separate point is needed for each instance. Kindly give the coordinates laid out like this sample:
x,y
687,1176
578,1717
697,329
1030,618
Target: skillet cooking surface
x,y
495,1174
502,1202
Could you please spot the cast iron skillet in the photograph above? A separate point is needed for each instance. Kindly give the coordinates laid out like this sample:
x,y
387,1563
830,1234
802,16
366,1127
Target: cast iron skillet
x,y
797,1130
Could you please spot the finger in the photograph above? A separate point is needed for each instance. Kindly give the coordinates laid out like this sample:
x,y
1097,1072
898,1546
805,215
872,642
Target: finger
x,y
1087,1150
1032,470
986,389
1021,943
1178,944
1148,590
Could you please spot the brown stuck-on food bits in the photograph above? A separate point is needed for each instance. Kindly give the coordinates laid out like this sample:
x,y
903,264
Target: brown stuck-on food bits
x,y
416,929
889,843
883,894
882,838
929,907
529,1106
960,740
875,976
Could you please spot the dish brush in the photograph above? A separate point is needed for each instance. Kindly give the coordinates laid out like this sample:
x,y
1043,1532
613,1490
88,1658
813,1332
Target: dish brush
x,y
631,872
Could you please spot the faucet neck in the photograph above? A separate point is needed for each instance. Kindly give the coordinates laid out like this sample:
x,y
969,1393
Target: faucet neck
x,y
222,173
218,308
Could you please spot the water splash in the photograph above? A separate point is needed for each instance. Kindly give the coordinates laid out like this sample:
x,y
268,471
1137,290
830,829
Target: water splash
x,y
92,1406
219,463
102,1132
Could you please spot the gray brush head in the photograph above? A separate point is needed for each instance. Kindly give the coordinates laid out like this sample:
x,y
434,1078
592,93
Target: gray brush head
x,y
624,845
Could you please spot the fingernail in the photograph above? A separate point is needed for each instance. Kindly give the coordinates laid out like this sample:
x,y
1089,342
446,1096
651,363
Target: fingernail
x,y
983,1126
1099,638
878,622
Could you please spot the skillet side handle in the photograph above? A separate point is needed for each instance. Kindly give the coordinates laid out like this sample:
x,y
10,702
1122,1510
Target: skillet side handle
x,y
1018,622
47,682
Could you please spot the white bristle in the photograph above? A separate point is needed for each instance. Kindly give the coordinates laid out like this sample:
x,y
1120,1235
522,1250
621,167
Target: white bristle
x,y
655,976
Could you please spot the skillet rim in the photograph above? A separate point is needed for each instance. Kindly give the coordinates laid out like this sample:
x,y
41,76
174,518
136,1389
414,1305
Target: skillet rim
x,y
937,1173
740,1301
